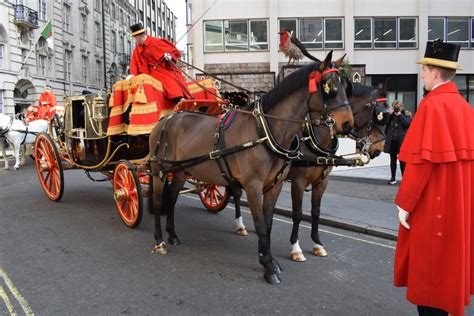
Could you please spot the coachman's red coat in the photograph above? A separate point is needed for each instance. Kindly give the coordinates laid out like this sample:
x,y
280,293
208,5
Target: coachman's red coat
x,y
148,59
435,258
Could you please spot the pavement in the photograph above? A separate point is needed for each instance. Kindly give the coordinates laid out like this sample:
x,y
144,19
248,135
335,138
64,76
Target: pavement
x,y
357,199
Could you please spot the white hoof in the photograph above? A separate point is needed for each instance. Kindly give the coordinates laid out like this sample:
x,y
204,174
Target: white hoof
x,y
297,257
16,168
160,249
319,251
7,168
241,231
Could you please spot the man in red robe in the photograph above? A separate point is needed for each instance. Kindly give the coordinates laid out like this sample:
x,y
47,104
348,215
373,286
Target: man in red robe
x,y
434,258
42,111
157,58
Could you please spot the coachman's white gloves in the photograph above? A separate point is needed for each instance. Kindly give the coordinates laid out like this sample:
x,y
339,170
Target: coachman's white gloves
x,y
129,77
168,57
403,217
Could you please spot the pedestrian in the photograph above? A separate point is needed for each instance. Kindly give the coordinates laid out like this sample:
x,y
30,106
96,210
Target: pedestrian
x,y
157,57
395,130
434,257
45,108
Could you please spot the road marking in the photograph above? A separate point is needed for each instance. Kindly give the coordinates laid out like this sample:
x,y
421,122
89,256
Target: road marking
x,y
7,301
307,226
16,294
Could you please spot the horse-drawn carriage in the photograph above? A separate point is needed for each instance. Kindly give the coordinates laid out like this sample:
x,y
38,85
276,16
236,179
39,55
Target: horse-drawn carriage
x,y
111,138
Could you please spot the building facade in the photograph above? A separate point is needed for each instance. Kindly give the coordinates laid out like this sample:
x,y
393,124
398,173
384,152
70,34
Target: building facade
x,y
382,42
91,51
157,18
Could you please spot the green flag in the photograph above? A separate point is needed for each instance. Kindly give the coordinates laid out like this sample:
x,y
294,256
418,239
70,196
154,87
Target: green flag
x,y
47,34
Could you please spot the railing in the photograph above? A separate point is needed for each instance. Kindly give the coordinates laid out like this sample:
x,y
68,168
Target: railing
x,y
123,59
25,17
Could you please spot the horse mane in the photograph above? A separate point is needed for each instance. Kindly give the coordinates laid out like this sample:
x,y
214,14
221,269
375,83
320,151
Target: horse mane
x,y
359,90
291,83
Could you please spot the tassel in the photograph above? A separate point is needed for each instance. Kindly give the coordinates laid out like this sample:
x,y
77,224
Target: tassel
x,y
314,79
140,96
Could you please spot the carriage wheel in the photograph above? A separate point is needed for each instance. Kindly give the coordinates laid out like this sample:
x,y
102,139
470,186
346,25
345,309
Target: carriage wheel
x,y
214,197
128,193
49,167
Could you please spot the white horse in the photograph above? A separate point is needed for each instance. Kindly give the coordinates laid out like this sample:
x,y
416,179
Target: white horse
x,y
17,134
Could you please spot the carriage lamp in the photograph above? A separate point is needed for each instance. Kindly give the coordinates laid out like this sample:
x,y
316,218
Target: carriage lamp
x,y
99,112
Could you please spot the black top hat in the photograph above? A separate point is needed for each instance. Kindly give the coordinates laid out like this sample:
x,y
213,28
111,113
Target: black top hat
x,y
137,29
441,54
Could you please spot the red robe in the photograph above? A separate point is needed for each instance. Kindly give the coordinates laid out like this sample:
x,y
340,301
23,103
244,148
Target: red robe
x,y
435,258
42,111
148,59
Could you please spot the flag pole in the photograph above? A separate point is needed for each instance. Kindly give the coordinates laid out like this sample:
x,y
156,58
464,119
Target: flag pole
x,y
32,46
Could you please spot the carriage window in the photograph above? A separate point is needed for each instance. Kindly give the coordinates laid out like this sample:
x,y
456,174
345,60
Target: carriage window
x,y
435,29
385,32
290,25
213,39
333,33
407,33
258,35
311,32
458,31
363,33
236,35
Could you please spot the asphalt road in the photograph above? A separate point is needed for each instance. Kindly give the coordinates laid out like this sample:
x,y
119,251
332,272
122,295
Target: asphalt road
x,y
77,257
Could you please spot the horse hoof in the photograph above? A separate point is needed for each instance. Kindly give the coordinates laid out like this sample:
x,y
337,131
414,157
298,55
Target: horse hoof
x,y
298,257
241,232
16,168
174,241
160,249
319,251
273,278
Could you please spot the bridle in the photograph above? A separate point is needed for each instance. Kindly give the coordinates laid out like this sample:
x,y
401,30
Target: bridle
x,y
365,142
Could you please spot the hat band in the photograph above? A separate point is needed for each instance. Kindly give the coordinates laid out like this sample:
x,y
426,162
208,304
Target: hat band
x,y
138,32
440,63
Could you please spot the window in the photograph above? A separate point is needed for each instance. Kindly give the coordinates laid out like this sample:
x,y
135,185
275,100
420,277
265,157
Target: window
x,y
42,10
121,44
85,69
67,18
97,5
2,56
113,41
98,73
458,31
83,26
311,32
189,12
386,32
98,34
1,101
112,11
67,65
233,35
333,33
213,41
236,35
407,33
436,29
290,26
40,65
363,33
258,35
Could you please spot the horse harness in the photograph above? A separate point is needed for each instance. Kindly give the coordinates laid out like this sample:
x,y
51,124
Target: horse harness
x,y
375,120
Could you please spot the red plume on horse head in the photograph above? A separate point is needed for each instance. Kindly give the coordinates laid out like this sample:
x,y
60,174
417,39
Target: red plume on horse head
x,y
292,47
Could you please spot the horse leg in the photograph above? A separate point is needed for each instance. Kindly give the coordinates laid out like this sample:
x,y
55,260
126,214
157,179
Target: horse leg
x,y
157,202
175,187
316,197
4,152
297,193
240,227
254,197
17,156
269,200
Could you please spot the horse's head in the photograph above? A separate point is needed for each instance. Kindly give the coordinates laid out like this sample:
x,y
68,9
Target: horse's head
x,y
369,121
328,99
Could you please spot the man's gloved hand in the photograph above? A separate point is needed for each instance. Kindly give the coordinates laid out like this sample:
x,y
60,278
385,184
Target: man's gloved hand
x,y
168,57
129,77
403,217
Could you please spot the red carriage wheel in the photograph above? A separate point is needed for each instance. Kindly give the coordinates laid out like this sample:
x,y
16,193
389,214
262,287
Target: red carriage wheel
x,y
214,197
49,167
128,193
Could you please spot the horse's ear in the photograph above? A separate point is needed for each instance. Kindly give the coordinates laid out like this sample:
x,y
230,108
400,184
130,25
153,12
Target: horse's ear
x,y
339,61
327,62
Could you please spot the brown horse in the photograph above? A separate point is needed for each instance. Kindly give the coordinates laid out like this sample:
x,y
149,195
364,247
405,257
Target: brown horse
x,y
369,136
185,144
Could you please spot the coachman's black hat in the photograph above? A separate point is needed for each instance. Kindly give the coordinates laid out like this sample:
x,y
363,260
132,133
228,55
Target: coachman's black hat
x,y
441,54
137,29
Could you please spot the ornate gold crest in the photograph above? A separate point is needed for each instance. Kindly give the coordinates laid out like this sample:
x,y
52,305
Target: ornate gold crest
x,y
326,88
380,116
